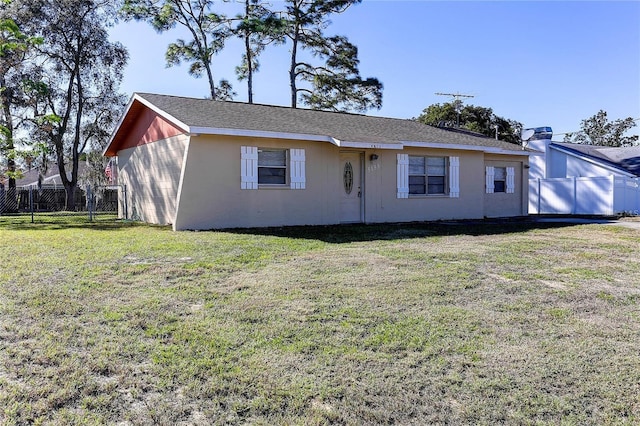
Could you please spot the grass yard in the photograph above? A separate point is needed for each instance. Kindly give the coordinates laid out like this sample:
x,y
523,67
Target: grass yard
x,y
117,323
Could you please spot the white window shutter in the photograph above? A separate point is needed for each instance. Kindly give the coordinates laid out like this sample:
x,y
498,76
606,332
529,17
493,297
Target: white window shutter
x,y
296,161
490,175
403,176
249,167
511,180
454,177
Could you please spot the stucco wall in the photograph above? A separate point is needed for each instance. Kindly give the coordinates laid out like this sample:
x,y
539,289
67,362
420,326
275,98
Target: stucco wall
x,y
382,204
151,173
210,194
503,204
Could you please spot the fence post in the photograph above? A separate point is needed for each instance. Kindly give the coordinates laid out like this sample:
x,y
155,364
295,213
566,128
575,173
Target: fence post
x,y
612,199
575,196
636,207
89,203
126,206
539,195
624,195
31,202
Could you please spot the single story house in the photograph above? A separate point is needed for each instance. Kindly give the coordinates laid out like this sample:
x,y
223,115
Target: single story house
x,y
569,178
49,178
204,164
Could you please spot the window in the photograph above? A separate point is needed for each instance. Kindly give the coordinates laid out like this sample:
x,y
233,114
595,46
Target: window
x,y
427,175
499,179
272,167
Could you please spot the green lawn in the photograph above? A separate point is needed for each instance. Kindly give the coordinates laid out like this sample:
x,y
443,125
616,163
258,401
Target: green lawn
x,y
118,323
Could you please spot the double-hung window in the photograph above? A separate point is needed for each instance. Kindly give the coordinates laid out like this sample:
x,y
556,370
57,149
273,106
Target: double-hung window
x,y
499,179
427,175
272,166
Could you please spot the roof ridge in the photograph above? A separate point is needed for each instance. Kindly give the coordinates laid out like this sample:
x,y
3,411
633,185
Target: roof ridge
x,y
263,105
204,113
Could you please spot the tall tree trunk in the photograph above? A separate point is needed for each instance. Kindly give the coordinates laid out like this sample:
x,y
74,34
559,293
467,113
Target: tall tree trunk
x,y
292,73
212,83
58,137
9,199
70,184
11,162
247,47
6,110
70,197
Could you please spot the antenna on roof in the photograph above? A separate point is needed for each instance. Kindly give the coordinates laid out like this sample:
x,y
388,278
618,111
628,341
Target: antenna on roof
x,y
457,103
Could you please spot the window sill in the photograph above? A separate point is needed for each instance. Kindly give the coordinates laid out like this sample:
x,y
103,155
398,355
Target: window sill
x,y
273,186
418,196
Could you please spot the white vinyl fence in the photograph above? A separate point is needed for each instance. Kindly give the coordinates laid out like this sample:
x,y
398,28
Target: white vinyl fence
x,y
609,195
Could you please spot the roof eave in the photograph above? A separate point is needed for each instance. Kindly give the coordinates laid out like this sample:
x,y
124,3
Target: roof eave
x,y
137,98
486,149
372,145
348,144
117,128
218,131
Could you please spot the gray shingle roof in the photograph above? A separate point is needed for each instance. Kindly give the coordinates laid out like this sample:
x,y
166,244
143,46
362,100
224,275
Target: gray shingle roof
x,y
52,175
206,113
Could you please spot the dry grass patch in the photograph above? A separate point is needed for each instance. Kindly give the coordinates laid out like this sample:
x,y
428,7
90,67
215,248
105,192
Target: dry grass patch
x,y
415,324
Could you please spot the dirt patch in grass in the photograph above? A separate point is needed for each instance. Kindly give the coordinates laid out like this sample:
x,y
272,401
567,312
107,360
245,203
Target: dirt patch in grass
x,y
412,325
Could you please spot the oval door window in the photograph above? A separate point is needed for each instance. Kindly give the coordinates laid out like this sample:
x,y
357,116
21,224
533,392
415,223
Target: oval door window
x,y
348,177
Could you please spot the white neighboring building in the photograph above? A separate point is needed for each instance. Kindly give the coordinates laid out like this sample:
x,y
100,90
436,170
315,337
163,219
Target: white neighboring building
x,y
569,178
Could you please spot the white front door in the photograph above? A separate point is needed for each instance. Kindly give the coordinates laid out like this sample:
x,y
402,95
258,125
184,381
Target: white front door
x,y
351,187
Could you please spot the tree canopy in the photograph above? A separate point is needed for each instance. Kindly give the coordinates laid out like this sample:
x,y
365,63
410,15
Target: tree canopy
x,y
258,27
473,118
335,84
15,47
599,130
323,70
209,31
73,96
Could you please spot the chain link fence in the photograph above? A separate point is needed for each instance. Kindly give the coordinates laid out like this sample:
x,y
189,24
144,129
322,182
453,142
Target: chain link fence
x,y
47,202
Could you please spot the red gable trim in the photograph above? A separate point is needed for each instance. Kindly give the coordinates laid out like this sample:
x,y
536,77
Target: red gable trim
x,y
139,126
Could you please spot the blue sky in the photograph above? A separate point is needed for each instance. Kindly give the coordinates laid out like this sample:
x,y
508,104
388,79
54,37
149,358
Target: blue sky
x,y
543,63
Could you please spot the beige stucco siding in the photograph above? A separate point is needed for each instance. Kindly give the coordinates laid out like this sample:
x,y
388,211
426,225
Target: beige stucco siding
x,y
502,204
382,204
151,174
211,194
